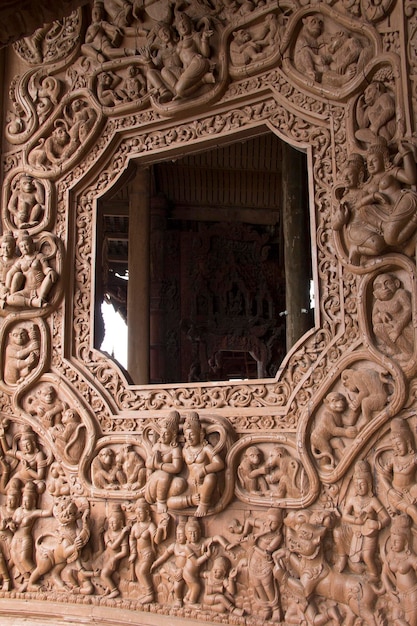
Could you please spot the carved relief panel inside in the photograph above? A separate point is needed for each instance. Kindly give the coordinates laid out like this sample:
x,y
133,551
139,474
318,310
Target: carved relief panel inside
x,y
288,497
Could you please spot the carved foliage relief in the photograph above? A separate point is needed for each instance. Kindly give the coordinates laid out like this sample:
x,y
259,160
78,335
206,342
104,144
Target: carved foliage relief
x,y
289,500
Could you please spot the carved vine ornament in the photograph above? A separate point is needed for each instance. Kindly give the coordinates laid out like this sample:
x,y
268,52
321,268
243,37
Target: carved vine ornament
x,y
291,500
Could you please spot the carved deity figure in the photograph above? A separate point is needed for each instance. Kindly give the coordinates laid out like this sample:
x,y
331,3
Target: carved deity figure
x,y
46,406
27,202
376,113
204,465
387,202
400,470
361,238
144,536
251,471
21,355
193,50
31,461
264,536
364,516
102,38
175,555
7,530
220,587
22,542
399,572
161,63
116,548
198,550
392,317
331,428
367,393
7,259
31,278
64,547
164,463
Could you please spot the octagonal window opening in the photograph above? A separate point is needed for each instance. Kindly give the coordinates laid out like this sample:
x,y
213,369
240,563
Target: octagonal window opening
x,y
203,266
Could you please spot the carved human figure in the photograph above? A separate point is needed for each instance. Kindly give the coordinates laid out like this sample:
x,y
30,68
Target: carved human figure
x,y
7,530
116,548
131,472
365,516
46,406
198,551
392,317
161,63
164,463
203,463
331,428
21,355
264,535
31,278
387,202
220,587
193,50
177,554
102,38
22,543
399,571
367,393
144,536
375,113
69,435
251,471
104,470
7,259
64,547
27,202
31,461
401,469
361,237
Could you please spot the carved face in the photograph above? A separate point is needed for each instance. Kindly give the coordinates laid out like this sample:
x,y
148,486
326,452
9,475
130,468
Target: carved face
x,y
193,436
116,521
313,25
351,176
7,248
19,336
26,246
192,533
398,542
27,184
27,443
371,93
361,486
400,445
107,458
336,402
219,570
385,287
47,394
375,163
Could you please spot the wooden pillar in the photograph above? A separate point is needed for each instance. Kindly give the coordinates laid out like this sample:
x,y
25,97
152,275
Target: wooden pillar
x,y
296,244
138,286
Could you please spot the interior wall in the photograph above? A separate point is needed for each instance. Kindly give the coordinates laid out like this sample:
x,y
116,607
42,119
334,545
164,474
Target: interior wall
x,y
274,500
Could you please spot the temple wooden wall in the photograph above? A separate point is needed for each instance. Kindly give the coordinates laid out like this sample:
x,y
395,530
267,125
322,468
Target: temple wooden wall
x,y
284,500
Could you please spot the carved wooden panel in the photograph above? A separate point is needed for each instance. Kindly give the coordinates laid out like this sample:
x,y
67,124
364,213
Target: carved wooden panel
x,y
280,500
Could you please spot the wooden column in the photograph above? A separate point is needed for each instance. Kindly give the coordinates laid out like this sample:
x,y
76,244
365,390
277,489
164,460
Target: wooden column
x,y
138,286
296,244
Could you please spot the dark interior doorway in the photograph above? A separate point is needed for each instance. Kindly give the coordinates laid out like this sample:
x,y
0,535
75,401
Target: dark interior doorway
x,y
216,281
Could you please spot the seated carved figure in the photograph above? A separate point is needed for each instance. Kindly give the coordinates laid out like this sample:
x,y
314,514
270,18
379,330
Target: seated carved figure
x,y
376,113
360,237
220,588
366,392
388,203
69,435
31,278
164,464
31,461
251,471
104,470
392,317
204,465
27,202
46,406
